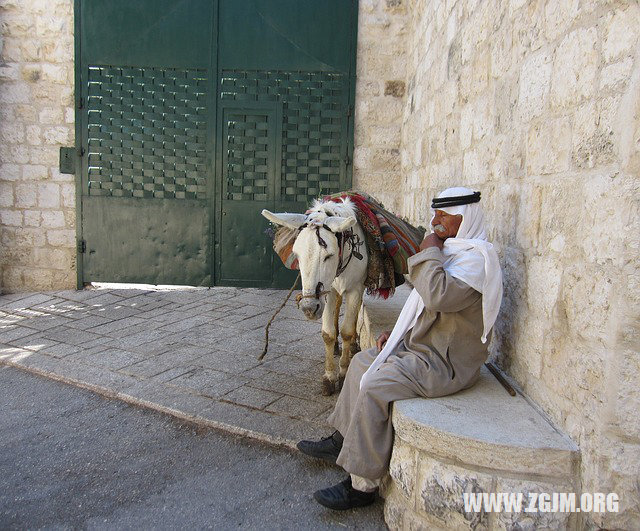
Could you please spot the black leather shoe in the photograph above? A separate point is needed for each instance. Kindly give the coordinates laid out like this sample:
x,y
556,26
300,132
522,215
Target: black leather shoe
x,y
343,496
326,448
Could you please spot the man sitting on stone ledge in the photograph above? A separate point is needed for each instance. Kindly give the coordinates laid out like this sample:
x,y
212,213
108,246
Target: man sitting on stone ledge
x,y
436,348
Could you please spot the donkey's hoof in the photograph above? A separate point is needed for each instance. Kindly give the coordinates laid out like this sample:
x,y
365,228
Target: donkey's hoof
x,y
340,383
328,387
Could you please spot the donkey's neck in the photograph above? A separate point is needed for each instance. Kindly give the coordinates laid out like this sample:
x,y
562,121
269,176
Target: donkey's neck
x,y
355,272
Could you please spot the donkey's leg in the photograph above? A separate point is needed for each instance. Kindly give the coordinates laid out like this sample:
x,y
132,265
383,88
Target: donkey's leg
x,y
329,337
336,327
348,332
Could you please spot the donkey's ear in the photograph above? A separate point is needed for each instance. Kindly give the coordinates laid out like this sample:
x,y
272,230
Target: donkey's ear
x,y
292,221
338,224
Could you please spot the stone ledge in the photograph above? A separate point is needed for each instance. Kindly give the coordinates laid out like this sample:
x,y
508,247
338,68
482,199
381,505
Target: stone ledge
x,y
478,440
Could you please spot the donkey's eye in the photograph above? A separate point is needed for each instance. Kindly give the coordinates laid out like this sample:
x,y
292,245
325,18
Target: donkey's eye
x,y
327,257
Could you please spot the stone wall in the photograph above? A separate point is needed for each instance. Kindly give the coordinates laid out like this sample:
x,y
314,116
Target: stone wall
x,y
380,96
537,104
37,203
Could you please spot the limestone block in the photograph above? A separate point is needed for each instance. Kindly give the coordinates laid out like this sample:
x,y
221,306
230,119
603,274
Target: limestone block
x,y
23,237
482,117
53,219
17,24
25,195
617,75
69,115
54,258
8,113
51,115
382,111
12,218
9,72
58,51
62,238
18,154
51,94
40,279
588,290
535,83
606,217
57,135
68,192
34,135
34,172
531,521
12,279
527,30
394,88
11,51
32,218
50,25
627,402
501,51
474,167
55,175
549,146
594,141
49,195
54,73
475,80
395,508
12,133
368,6
387,136
575,68
544,278
464,428
622,33
560,16
46,156
10,172
27,113
402,468
441,491
6,194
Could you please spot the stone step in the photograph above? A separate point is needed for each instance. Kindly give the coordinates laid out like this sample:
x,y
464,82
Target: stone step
x,y
478,440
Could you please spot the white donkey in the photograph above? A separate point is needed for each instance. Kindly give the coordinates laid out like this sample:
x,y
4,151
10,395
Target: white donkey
x,y
332,266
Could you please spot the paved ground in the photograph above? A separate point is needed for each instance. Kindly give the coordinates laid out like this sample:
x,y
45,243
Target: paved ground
x,y
190,352
70,459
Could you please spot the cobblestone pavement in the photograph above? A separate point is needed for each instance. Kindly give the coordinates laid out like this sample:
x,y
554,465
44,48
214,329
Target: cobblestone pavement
x,y
190,352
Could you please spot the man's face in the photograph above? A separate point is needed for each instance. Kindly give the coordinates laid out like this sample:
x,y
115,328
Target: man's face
x,y
445,225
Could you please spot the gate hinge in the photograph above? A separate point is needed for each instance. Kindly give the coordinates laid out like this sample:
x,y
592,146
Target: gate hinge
x,y
81,103
82,246
349,112
82,151
347,160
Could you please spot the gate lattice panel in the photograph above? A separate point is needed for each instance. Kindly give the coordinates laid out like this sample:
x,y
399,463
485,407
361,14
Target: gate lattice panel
x,y
147,133
313,114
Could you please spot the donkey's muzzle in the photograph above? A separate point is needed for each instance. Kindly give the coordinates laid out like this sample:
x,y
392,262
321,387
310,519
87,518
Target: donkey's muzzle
x,y
312,308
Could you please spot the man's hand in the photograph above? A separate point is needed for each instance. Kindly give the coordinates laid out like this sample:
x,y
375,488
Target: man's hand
x,y
382,339
431,240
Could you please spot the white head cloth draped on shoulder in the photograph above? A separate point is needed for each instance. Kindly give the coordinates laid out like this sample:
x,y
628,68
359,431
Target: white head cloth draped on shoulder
x,y
468,257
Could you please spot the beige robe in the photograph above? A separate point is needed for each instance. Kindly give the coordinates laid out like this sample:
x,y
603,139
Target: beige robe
x,y
439,356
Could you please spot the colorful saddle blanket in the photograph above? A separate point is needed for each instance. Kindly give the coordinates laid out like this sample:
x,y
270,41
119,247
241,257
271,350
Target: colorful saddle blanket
x,y
390,242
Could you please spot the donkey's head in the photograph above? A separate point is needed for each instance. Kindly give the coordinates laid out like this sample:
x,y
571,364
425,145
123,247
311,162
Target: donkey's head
x,y
317,248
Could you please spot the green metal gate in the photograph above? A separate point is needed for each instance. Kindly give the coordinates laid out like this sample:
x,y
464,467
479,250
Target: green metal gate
x,y
193,116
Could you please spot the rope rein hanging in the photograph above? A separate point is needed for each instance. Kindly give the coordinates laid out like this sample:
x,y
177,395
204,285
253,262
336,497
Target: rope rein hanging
x,y
266,330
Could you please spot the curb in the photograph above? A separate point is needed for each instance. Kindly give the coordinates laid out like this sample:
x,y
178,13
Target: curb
x,y
132,400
